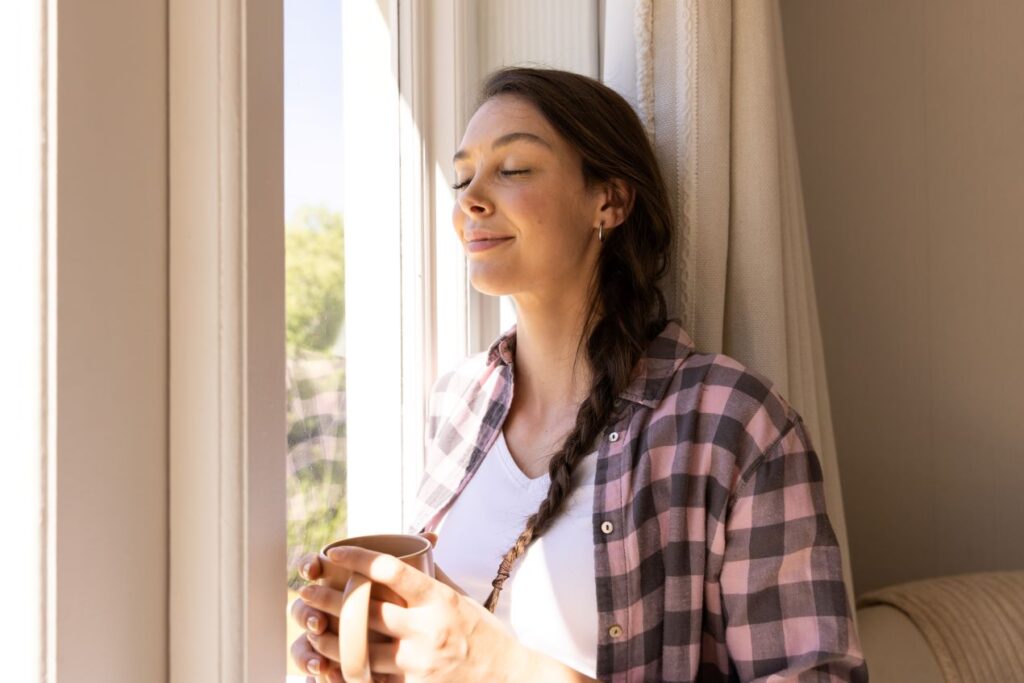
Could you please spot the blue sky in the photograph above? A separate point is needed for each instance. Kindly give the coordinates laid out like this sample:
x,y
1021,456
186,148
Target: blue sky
x,y
312,104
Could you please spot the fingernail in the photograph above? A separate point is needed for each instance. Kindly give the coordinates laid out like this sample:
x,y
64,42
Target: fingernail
x,y
306,569
313,623
313,666
306,592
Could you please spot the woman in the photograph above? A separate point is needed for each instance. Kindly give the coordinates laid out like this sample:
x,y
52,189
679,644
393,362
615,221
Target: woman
x,y
650,512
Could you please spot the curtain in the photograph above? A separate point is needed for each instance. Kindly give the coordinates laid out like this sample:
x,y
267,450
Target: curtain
x,y
711,88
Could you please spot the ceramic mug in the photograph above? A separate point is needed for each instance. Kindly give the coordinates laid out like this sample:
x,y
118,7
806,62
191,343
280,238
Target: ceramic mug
x,y
352,627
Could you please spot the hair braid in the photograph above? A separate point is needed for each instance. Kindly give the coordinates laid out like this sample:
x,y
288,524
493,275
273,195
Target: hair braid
x,y
625,308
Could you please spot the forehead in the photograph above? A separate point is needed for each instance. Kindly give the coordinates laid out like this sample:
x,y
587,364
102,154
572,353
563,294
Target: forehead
x,y
501,115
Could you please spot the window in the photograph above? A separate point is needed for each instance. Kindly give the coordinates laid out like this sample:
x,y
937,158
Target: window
x,y
315,400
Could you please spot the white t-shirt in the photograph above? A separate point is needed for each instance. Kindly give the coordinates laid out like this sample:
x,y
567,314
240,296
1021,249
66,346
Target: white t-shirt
x,y
549,601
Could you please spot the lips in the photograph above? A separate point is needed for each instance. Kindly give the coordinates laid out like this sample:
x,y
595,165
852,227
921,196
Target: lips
x,y
482,245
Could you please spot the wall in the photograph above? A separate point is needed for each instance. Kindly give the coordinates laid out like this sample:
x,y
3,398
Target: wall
x,y
909,126
106,193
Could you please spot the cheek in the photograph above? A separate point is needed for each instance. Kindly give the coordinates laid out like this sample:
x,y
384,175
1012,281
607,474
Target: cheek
x,y
458,220
543,210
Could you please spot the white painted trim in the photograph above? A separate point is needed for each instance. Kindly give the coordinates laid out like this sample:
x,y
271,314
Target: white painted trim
x,y
227,377
453,76
418,271
23,348
374,272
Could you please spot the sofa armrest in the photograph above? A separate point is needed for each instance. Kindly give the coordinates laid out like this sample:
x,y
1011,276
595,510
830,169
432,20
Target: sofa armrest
x,y
971,624
895,650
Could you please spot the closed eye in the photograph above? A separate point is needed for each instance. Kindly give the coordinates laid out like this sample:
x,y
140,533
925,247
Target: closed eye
x,y
466,182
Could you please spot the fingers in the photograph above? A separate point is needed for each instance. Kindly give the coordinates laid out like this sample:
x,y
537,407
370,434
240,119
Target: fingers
x,y
388,618
410,584
325,644
309,566
322,598
313,663
382,658
333,676
307,617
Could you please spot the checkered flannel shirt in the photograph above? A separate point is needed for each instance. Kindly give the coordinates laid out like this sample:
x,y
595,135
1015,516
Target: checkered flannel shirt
x,y
713,552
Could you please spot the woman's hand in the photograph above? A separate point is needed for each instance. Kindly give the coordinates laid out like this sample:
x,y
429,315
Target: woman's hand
x,y
317,625
319,619
440,635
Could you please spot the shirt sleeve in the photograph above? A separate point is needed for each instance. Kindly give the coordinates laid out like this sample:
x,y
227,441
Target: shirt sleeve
x,y
787,616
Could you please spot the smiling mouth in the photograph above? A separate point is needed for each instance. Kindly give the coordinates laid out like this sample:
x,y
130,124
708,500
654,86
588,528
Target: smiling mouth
x,y
479,245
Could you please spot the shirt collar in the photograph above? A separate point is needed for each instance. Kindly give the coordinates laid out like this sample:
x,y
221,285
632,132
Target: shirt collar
x,y
652,373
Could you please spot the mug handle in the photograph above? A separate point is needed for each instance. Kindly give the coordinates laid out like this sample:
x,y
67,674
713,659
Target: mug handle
x,y
353,619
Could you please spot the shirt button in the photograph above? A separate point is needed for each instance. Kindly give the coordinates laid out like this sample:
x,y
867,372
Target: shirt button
x,y
607,527
613,437
615,631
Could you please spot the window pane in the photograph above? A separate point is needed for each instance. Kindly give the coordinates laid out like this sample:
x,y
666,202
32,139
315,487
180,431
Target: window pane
x,y
315,286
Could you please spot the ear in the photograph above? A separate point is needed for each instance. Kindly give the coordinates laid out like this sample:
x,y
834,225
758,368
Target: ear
x,y
617,197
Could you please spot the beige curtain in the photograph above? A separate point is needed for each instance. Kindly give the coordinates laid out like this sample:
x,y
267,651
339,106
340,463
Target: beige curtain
x,y
713,92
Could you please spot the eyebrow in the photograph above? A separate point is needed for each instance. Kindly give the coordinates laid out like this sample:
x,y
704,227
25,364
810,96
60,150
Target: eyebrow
x,y
506,139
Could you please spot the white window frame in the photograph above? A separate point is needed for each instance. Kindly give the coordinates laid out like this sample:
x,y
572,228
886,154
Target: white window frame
x,y
227,354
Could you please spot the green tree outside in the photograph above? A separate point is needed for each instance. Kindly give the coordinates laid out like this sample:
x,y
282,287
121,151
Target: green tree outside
x,y
314,279
315,311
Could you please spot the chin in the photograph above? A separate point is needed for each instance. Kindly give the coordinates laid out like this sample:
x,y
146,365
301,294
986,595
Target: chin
x,y
490,290
488,283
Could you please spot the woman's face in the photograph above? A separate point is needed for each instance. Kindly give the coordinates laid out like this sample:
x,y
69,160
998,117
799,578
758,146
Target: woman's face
x,y
528,190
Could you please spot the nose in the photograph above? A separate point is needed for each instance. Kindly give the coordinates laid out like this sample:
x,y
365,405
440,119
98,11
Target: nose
x,y
473,203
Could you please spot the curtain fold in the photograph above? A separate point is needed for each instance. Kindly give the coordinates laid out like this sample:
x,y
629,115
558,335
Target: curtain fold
x,y
713,93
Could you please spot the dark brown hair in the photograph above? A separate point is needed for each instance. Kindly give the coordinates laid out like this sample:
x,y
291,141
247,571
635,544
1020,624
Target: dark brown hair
x,y
625,309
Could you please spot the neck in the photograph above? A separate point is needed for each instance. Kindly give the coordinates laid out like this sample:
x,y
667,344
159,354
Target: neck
x,y
547,337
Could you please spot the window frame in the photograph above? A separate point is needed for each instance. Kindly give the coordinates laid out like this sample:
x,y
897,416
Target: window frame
x,y
227,580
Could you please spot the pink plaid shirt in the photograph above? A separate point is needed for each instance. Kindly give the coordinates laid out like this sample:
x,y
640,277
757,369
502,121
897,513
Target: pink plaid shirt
x,y
714,556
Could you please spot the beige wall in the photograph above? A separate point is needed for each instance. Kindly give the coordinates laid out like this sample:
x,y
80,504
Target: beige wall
x,y
910,126
107,412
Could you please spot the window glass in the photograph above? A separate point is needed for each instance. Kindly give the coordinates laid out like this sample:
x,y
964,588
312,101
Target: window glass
x,y
314,286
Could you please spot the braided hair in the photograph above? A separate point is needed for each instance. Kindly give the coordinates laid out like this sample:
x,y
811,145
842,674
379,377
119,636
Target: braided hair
x,y
625,309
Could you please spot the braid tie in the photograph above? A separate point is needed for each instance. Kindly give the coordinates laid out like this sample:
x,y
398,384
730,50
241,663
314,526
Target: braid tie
x,y
503,573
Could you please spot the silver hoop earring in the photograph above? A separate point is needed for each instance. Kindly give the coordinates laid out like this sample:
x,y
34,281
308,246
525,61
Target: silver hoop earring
x,y
600,232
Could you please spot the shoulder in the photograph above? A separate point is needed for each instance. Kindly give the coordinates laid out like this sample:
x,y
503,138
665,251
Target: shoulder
x,y
718,401
456,377
455,386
